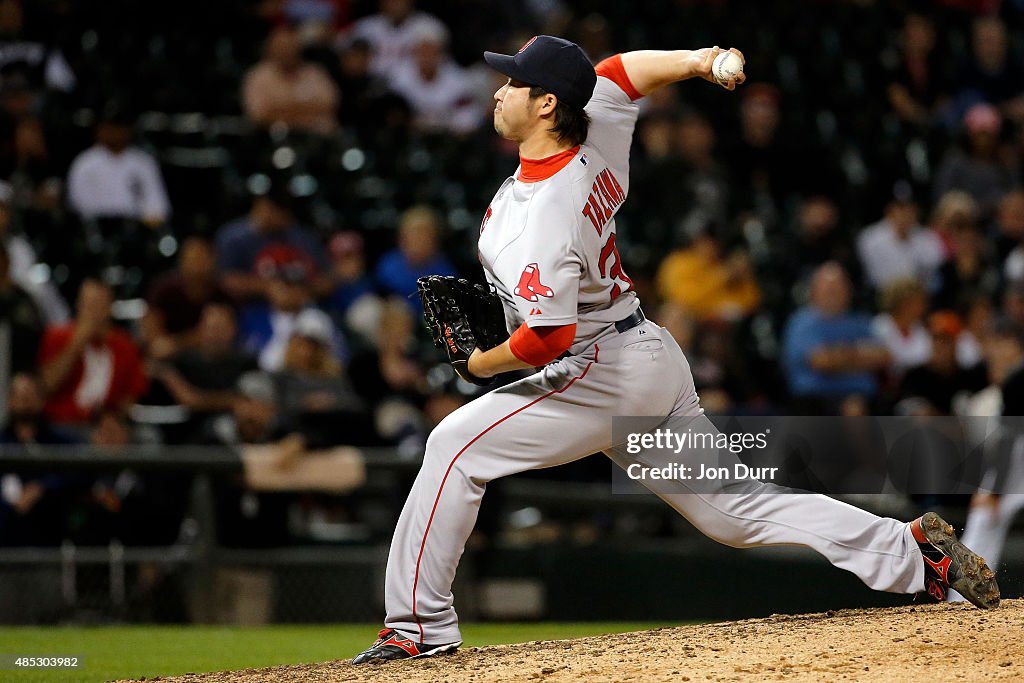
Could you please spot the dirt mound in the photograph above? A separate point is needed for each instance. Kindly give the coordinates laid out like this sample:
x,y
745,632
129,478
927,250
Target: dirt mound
x,y
924,643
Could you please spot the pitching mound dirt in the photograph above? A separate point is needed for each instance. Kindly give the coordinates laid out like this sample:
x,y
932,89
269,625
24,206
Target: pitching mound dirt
x,y
924,643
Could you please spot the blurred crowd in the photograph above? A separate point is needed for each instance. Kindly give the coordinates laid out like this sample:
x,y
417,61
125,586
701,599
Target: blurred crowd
x,y
213,215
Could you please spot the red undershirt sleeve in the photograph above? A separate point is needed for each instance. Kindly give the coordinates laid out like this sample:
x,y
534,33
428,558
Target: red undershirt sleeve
x,y
539,346
612,69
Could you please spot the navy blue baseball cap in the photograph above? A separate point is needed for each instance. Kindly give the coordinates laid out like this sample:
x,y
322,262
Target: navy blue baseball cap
x,y
555,64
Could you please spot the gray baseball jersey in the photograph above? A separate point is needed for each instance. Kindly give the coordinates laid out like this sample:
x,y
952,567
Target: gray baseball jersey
x,y
547,243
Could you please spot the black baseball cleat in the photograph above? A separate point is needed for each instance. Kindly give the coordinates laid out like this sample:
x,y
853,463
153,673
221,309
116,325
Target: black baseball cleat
x,y
948,563
393,645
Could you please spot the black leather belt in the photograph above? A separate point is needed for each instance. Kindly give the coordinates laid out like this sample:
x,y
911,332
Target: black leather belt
x,y
630,321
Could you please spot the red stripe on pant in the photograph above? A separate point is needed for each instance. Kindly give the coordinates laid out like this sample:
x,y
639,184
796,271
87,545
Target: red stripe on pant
x,y
423,543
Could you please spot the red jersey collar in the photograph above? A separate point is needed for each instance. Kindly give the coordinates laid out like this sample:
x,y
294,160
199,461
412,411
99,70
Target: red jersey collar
x,y
533,170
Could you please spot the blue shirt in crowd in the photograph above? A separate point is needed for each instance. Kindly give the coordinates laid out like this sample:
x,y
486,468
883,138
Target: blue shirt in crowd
x,y
809,329
395,275
239,245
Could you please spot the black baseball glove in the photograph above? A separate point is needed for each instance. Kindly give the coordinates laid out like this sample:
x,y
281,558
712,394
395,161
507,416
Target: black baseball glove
x,y
461,317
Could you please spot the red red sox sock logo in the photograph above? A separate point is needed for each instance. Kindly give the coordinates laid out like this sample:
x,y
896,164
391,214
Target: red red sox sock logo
x,y
530,286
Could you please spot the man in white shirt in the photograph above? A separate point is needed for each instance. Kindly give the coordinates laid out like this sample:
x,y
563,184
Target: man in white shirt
x,y
392,33
898,247
439,91
113,178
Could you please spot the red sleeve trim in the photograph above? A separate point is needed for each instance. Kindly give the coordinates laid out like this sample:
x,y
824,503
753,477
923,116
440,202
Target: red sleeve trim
x,y
613,70
540,345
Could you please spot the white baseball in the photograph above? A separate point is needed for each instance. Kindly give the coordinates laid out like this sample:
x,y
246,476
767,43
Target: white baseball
x,y
726,65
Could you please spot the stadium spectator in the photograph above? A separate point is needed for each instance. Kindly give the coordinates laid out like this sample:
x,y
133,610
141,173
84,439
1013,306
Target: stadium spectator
x,y
441,93
244,517
706,284
350,281
30,158
22,261
978,167
655,168
418,254
311,377
918,74
317,22
88,366
358,87
941,379
992,73
717,367
978,315
1013,303
127,505
32,507
970,269
267,327
99,519
41,66
177,299
704,182
829,351
1004,359
392,33
312,390
1010,226
441,403
898,247
761,155
21,324
952,210
758,152
202,377
1004,355
816,239
1008,229
283,88
900,325
255,417
115,179
390,376
595,36
270,226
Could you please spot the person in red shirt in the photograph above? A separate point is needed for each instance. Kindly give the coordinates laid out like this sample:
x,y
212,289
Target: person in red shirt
x,y
88,365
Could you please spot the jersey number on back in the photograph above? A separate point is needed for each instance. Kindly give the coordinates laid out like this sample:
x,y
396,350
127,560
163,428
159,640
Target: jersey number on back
x,y
614,271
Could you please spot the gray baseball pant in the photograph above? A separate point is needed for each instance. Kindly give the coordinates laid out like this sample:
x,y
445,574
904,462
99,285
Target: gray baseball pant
x,y
564,412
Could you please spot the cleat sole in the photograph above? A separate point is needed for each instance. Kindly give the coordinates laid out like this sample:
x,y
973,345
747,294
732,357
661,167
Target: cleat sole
x,y
976,581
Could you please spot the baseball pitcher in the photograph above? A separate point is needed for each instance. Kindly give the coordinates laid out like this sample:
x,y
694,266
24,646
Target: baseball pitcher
x,y
548,247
